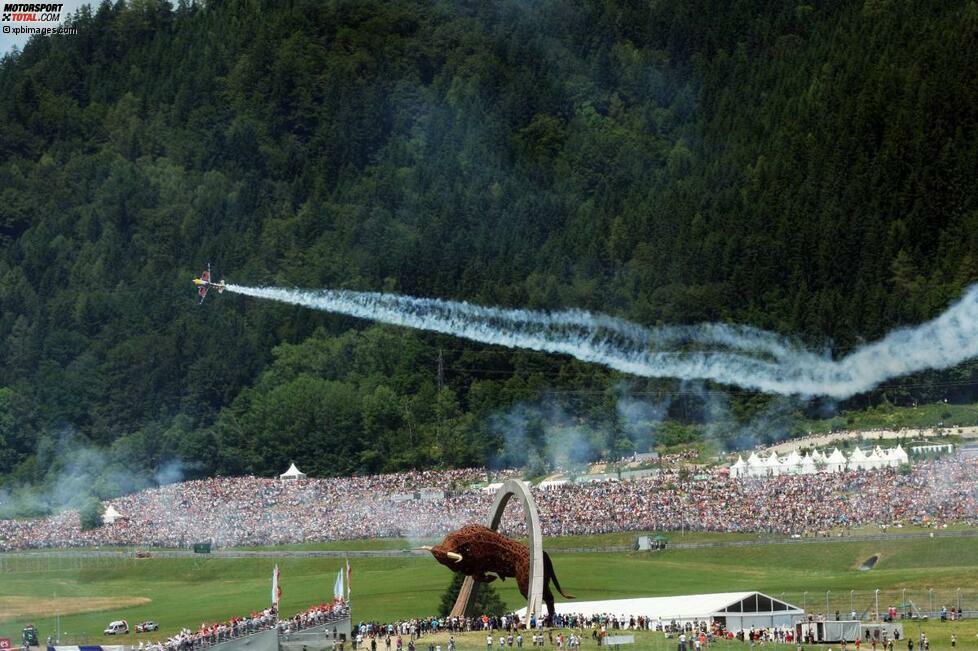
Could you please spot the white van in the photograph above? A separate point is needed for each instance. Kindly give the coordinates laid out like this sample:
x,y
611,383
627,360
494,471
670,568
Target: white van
x,y
120,627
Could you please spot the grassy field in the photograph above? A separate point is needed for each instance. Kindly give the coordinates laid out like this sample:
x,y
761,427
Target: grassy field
x,y
188,591
887,416
938,634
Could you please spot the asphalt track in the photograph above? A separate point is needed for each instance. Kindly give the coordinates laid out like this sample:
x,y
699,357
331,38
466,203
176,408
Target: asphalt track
x,y
393,553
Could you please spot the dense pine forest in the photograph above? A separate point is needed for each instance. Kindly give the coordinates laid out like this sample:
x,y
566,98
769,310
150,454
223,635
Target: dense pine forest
x,y
805,168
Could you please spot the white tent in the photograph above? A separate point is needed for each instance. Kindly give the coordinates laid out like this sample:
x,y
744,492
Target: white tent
x,y
755,466
773,465
875,460
111,515
889,461
857,460
736,610
807,465
791,464
899,455
552,483
835,462
739,468
292,473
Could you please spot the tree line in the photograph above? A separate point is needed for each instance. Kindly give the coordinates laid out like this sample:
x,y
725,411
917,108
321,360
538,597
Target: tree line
x,y
806,169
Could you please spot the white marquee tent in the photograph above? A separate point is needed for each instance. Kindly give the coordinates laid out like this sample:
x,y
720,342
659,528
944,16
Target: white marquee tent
x,y
791,464
755,466
111,515
736,610
739,468
875,460
795,464
835,462
897,456
292,473
807,465
857,460
552,483
773,465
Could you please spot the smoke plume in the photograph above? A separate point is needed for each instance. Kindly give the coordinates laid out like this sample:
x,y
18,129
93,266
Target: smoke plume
x,y
735,355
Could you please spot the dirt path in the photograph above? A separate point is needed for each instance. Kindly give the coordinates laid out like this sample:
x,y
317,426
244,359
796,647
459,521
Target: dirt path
x,y
28,607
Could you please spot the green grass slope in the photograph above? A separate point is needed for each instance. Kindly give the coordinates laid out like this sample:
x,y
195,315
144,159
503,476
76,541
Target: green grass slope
x,y
186,592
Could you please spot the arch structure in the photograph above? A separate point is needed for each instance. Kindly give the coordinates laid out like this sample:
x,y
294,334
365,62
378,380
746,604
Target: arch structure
x,y
534,597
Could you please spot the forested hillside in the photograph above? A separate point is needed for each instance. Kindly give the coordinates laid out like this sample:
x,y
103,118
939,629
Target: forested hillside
x,y
807,168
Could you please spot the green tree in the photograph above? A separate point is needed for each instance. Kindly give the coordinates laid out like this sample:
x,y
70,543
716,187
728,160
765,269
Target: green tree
x,y
484,599
91,514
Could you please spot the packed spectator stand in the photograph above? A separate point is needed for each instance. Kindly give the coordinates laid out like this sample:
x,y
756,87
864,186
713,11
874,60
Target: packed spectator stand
x,y
210,634
234,511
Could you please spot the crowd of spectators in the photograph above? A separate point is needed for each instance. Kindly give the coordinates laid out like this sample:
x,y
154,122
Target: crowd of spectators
x,y
214,633
234,511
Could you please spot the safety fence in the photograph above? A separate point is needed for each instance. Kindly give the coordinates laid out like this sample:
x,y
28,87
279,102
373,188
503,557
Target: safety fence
x,y
908,604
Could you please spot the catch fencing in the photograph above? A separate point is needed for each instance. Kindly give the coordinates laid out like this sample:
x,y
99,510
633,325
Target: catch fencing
x,y
911,604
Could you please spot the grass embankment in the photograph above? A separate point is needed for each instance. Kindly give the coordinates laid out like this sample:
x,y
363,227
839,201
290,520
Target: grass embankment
x,y
187,591
887,416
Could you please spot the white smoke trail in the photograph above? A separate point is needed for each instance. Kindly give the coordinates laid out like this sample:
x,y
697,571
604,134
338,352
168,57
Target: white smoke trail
x,y
735,355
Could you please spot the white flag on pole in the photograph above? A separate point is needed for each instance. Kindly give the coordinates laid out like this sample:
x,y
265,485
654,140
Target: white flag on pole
x,y
338,585
276,588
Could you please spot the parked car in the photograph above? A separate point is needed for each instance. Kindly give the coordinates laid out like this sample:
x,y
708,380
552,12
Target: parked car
x,y
118,627
30,635
148,625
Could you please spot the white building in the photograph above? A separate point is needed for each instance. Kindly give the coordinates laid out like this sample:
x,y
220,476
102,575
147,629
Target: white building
x,y
922,449
735,610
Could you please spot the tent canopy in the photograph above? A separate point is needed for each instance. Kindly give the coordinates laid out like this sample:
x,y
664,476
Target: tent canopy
x,y
698,607
110,515
292,473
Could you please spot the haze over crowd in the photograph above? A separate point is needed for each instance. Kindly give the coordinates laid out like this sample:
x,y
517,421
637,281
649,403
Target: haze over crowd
x,y
255,511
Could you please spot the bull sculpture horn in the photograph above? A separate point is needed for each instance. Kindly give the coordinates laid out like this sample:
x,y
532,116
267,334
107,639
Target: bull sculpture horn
x,y
423,548
454,556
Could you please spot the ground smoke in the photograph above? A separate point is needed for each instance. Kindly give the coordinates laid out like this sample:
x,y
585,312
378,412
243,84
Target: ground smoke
x,y
735,355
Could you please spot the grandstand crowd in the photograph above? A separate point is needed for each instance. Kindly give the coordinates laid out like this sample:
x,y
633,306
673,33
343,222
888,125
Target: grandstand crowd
x,y
209,634
231,511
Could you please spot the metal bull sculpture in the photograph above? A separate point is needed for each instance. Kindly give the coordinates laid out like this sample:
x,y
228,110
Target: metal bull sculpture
x,y
480,552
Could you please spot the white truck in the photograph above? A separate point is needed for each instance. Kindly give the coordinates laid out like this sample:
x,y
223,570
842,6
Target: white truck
x,y
118,627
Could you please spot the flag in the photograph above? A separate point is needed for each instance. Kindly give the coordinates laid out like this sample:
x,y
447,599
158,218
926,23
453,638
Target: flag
x,y
338,585
348,579
276,588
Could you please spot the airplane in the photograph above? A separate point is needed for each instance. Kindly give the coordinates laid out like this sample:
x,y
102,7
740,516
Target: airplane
x,y
204,283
